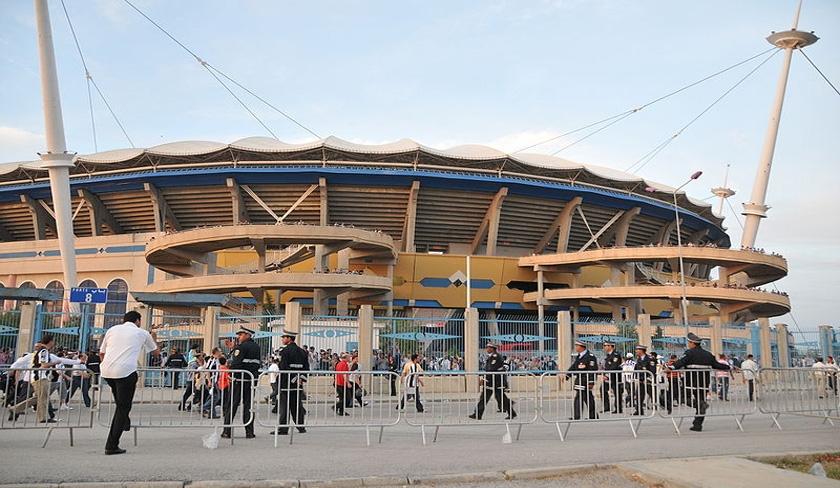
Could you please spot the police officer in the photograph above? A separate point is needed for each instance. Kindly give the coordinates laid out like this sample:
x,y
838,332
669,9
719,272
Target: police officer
x,y
644,382
493,384
244,357
583,382
699,363
294,361
612,362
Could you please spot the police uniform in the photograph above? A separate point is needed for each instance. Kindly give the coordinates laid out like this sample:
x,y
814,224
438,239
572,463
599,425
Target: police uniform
x,y
644,382
583,382
699,363
494,385
612,381
294,362
244,357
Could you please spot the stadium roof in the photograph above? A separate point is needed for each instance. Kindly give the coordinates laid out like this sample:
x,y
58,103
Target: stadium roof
x,y
335,151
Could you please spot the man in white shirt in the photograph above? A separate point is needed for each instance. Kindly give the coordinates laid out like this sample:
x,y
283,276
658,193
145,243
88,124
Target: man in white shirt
x,y
120,350
749,368
820,371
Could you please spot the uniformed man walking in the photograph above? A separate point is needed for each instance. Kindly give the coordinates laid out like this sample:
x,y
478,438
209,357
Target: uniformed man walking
x,y
644,383
583,382
294,362
244,359
612,381
493,384
699,363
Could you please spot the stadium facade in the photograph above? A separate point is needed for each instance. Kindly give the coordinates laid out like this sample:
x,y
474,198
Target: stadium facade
x,y
408,229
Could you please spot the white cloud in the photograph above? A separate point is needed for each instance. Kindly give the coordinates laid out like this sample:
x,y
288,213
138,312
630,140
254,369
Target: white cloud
x,y
19,144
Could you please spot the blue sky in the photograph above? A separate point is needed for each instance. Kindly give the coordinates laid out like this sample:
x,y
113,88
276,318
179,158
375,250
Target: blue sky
x,y
502,73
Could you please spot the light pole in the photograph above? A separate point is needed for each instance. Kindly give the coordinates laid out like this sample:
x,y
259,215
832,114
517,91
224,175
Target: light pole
x,y
683,300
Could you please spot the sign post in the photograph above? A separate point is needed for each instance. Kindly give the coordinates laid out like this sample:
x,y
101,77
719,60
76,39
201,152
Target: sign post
x,y
88,297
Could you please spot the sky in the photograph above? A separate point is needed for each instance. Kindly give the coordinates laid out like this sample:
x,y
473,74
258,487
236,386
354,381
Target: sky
x,y
505,73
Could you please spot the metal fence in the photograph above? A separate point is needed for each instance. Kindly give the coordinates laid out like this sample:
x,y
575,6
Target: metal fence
x,y
268,329
462,398
204,401
9,329
47,399
701,393
439,341
800,391
597,396
526,343
290,402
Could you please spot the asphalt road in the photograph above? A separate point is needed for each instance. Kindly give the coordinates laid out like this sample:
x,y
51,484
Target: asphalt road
x,y
325,453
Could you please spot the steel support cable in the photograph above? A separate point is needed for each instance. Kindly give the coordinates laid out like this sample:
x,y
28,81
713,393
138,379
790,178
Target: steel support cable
x,y
647,104
587,136
213,70
90,81
650,155
820,72
741,225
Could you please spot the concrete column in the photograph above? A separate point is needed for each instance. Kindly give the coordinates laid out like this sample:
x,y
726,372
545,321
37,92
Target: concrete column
x,y
716,347
564,340
343,299
782,345
146,324
294,317
471,346
25,337
645,331
365,337
211,328
541,309
754,346
765,354
826,341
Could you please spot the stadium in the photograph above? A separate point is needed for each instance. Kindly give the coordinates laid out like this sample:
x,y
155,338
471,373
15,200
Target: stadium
x,y
413,231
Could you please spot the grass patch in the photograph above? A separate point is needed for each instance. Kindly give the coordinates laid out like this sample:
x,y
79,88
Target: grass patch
x,y
830,461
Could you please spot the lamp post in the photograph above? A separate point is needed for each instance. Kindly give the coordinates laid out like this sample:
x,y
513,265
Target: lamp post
x,y
683,299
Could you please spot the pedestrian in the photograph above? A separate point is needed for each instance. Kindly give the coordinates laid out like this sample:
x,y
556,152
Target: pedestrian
x,y
749,370
244,367
412,382
394,369
644,385
722,378
820,373
698,361
342,384
583,382
120,348
41,380
493,384
176,362
612,381
273,375
627,375
833,373
293,365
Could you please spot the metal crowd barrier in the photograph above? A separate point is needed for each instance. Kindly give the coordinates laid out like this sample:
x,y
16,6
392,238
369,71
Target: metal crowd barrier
x,y
810,392
183,398
704,392
596,396
465,398
47,399
290,402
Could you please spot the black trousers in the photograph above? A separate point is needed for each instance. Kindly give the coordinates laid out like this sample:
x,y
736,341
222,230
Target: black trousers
x,y
291,402
123,391
639,396
617,388
751,388
698,401
241,393
489,392
417,404
393,385
343,395
583,394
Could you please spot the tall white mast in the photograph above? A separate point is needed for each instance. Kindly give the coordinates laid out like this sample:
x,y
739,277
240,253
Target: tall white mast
x,y
755,209
56,159
723,192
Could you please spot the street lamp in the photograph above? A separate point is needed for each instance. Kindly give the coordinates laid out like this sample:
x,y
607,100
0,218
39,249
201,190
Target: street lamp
x,y
683,299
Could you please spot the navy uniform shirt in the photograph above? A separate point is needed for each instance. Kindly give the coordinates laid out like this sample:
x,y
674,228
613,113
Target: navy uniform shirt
x,y
585,361
292,359
246,356
700,360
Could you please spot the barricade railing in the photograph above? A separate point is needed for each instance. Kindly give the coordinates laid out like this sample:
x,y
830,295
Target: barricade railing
x,y
596,396
460,398
810,392
291,401
212,398
703,392
48,399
